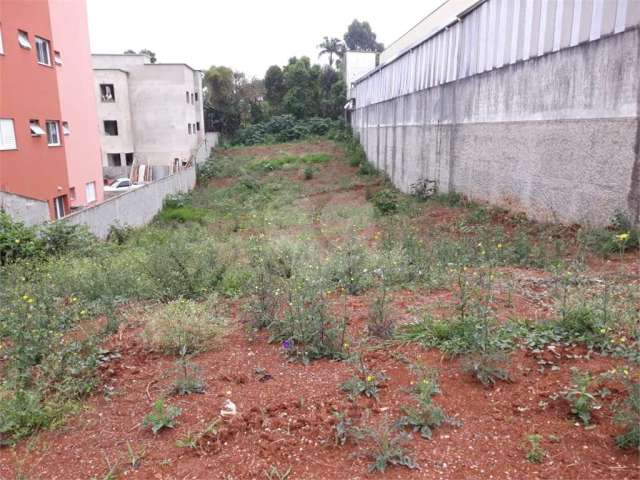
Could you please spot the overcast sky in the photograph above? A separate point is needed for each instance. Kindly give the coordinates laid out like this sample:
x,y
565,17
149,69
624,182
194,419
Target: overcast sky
x,y
246,35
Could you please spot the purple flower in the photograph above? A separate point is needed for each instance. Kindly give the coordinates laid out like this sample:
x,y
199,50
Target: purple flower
x,y
286,344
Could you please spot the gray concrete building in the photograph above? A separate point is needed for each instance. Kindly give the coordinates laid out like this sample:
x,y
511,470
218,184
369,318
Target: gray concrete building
x,y
149,113
531,105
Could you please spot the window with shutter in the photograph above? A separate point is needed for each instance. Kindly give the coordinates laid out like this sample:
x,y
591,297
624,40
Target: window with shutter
x,y
7,135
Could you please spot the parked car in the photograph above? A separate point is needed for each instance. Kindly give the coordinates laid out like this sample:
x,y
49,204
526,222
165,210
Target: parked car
x,y
122,185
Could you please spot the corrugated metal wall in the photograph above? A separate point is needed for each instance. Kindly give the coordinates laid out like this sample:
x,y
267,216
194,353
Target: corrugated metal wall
x,y
497,33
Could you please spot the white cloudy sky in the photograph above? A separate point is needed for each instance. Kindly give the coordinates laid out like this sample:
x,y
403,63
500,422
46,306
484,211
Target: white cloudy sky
x,y
246,35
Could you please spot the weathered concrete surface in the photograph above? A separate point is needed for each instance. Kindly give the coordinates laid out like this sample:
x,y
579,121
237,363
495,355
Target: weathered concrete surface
x,y
555,137
135,208
26,210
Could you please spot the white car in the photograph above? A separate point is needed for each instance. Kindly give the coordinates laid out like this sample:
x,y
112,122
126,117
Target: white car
x,y
122,185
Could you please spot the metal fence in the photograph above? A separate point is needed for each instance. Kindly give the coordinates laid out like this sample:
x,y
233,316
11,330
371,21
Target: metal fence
x,y
494,34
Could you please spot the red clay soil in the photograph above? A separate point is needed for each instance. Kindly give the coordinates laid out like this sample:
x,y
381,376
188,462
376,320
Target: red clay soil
x,y
285,410
286,419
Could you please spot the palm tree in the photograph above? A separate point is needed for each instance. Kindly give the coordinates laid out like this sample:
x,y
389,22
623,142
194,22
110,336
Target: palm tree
x,y
331,47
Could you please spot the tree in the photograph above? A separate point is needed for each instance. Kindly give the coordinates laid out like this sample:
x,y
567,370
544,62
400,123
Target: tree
x,y
302,81
231,99
150,54
359,36
144,51
223,111
331,47
275,87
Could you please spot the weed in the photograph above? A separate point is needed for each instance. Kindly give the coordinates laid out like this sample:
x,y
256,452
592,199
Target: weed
x,y
344,429
307,330
184,326
135,457
581,400
161,416
386,202
275,474
350,267
536,453
188,379
628,416
387,447
205,441
179,266
487,368
379,322
367,384
453,337
308,173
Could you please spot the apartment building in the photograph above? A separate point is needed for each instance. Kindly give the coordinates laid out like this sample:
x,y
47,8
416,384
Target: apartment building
x,y
149,113
49,146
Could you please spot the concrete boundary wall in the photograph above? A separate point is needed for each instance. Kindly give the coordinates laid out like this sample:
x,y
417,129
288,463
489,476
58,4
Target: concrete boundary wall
x,y
135,208
555,136
26,210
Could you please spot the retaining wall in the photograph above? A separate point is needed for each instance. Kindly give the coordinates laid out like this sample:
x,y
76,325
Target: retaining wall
x,y
27,210
135,208
554,136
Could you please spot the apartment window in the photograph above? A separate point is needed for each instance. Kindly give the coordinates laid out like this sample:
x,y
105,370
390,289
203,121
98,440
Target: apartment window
x,y
107,92
36,130
90,189
58,204
114,160
53,133
198,125
23,39
65,128
1,44
72,193
196,96
189,128
57,57
128,158
7,135
111,128
187,97
43,51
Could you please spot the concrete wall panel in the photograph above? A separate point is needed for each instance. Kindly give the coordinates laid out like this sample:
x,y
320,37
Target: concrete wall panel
x,y
554,137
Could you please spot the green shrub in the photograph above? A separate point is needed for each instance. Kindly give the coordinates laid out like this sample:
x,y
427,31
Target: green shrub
x,y
386,202
60,238
161,417
453,337
179,265
580,399
286,128
307,330
620,237
308,173
184,326
380,322
350,267
17,241
628,416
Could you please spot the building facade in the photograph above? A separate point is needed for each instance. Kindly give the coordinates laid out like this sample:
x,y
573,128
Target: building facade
x,y
49,150
149,113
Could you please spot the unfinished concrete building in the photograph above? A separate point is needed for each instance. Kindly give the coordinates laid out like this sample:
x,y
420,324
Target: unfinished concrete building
x,y
150,114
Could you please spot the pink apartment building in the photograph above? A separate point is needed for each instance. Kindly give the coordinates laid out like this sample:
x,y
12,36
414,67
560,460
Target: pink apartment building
x,y
50,157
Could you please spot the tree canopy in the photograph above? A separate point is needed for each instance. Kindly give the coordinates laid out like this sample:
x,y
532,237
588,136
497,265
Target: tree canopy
x,y
144,51
331,47
359,36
